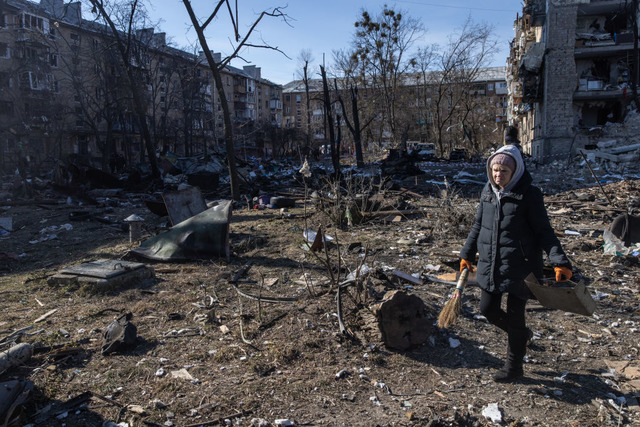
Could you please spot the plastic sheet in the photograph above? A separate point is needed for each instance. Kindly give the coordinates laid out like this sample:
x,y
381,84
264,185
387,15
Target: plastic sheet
x,y
615,246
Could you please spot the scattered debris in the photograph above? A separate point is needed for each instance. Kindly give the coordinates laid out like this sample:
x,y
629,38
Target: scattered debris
x,y
184,203
493,413
15,356
120,335
403,319
14,395
203,236
103,275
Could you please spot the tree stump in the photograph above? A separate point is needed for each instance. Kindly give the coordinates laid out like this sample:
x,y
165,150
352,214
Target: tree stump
x,y
403,320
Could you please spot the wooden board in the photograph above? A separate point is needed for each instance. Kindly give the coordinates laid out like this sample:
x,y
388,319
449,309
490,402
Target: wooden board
x,y
183,204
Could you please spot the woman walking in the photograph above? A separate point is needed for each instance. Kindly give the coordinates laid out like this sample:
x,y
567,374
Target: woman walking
x,y
510,231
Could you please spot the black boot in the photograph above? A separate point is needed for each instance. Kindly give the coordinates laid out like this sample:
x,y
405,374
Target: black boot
x,y
512,369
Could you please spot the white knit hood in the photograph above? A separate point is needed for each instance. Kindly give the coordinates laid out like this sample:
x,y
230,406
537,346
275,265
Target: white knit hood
x,y
514,152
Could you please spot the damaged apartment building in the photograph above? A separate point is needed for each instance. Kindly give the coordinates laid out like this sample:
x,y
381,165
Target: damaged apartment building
x,y
64,92
571,71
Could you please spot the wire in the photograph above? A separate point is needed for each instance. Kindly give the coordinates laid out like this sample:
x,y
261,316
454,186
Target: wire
x,y
453,7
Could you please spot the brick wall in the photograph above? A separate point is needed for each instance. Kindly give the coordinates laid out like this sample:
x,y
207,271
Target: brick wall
x,y
559,78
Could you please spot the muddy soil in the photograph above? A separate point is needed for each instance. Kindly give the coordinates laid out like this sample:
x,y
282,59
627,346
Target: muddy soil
x,y
208,354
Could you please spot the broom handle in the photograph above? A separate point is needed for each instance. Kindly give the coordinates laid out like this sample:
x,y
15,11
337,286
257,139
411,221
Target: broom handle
x,y
462,280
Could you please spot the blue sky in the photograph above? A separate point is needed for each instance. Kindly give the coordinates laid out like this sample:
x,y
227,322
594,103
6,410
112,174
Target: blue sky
x,y
326,25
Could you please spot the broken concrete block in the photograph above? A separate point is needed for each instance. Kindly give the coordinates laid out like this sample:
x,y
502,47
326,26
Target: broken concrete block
x,y
103,274
402,319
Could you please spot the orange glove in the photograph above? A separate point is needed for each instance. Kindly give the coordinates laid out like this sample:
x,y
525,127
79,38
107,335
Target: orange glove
x,y
466,264
563,274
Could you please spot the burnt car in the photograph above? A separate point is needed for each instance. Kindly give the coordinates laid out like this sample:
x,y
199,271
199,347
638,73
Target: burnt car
x,y
458,155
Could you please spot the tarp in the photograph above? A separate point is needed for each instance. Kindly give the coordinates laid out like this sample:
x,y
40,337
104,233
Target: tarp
x,y
203,236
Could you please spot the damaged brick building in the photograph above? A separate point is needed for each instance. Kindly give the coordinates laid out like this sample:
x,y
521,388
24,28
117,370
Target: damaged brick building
x,y
572,69
64,92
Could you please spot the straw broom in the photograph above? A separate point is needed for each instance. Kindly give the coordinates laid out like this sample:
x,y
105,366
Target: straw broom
x,y
453,307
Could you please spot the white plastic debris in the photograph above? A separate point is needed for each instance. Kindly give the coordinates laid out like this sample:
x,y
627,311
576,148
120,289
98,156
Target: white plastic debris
x,y
364,269
305,170
561,379
614,246
492,412
342,374
283,422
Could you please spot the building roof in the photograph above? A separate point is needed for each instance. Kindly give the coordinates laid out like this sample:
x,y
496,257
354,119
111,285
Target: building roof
x,y
484,75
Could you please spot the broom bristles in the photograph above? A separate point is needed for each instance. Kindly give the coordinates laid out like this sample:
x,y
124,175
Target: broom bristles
x,y
453,307
451,310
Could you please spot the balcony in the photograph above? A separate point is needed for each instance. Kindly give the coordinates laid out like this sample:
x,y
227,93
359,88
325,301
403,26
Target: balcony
x,y
602,50
602,95
600,7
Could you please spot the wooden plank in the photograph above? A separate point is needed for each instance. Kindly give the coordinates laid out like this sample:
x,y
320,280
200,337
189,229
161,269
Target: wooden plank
x,y
408,277
45,316
183,204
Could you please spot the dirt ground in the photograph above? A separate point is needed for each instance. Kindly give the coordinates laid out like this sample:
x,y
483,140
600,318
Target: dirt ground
x,y
281,356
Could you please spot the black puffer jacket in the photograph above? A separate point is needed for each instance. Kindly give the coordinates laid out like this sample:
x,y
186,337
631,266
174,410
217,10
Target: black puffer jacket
x,y
509,233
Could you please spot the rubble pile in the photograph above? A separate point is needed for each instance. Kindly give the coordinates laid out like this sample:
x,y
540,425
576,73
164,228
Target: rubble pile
x,y
281,325
615,147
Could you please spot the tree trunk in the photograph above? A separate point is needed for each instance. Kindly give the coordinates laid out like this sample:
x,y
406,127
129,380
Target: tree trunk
x,y
634,56
335,147
139,104
226,114
357,132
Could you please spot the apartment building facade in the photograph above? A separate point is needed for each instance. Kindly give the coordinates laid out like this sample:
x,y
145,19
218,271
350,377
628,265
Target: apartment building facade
x,y
572,68
488,104
64,91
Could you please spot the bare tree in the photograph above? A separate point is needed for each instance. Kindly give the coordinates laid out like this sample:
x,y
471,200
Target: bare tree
x,y
240,41
328,117
305,58
131,52
355,116
424,65
381,46
450,85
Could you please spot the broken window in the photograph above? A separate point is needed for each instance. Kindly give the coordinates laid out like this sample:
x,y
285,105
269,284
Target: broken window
x,y
29,53
52,29
83,145
6,108
30,21
4,50
52,83
29,80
